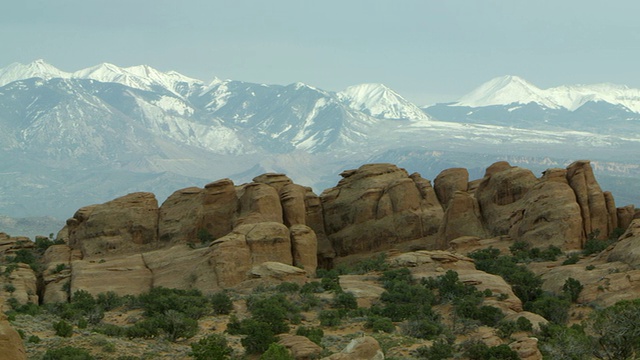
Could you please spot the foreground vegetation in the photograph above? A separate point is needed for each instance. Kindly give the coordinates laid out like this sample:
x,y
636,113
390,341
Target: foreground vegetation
x,y
429,318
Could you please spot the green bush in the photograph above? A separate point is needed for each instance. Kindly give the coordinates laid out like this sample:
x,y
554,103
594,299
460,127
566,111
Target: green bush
x,y
314,334
448,286
288,287
565,343
594,245
67,353
440,350
524,324
109,300
311,287
550,307
478,350
204,236
329,317
422,328
111,330
258,336
276,352
274,310
345,301
177,325
160,300
147,329
617,329
380,324
34,339
572,289
572,259
212,347
221,303
9,288
63,328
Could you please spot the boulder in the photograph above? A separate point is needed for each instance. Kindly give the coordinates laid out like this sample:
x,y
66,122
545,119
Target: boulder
x,y
627,249
362,348
448,182
300,346
121,225
527,348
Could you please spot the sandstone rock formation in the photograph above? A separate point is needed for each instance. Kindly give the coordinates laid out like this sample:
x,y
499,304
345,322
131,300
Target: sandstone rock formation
x,y
448,182
363,348
300,347
10,342
376,206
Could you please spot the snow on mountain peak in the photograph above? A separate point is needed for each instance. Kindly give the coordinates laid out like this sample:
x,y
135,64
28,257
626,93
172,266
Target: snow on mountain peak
x,y
38,68
512,89
506,90
379,101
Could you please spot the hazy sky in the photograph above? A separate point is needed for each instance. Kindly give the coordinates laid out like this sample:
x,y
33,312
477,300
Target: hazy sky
x,y
428,51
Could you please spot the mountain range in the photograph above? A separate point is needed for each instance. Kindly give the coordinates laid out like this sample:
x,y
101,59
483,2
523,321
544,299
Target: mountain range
x,y
70,139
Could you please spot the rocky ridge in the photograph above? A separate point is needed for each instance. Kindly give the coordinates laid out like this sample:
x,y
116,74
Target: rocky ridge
x,y
272,230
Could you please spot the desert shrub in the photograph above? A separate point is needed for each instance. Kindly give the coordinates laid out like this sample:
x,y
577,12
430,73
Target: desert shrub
x,y
525,284
345,301
616,233
258,336
177,325
470,307
565,343
594,245
422,328
380,324
147,329
34,339
221,303
276,352
67,353
448,287
506,328
160,300
478,350
308,301
63,328
441,349
572,289
204,236
617,329
403,300
26,257
572,259
111,330
288,287
109,300
314,334
28,309
312,287
524,324
10,288
274,310
330,280
552,308
329,317
374,263
212,347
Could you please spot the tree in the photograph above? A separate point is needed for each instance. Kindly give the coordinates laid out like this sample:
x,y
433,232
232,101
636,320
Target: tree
x,y
276,352
617,329
572,289
212,347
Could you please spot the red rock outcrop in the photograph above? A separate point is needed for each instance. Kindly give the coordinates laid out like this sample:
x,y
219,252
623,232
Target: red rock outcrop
x,y
376,206
11,347
448,182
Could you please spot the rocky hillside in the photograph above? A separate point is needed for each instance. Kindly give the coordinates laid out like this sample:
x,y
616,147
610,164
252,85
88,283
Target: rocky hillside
x,y
270,232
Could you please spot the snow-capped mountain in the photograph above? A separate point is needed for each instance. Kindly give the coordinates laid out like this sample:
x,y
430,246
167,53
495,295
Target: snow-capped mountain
x,y
508,90
68,139
381,102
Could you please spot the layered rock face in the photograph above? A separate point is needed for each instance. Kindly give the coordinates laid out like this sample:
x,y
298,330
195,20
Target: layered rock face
x,y
377,206
129,244
132,243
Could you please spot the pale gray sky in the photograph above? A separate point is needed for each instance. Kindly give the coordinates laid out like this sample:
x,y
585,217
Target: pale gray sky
x,y
428,51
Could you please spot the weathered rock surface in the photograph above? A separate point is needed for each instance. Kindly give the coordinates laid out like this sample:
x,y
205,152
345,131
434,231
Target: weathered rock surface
x,y
527,348
122,275
627,249
11,347
462,218
300,347
363,348
376,206
118,226
448,182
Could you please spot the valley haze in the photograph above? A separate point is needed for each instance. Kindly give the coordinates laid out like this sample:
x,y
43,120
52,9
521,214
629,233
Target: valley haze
x,y
71,139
